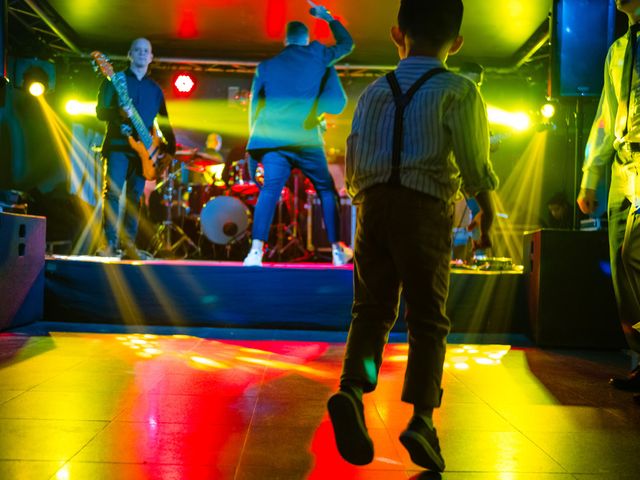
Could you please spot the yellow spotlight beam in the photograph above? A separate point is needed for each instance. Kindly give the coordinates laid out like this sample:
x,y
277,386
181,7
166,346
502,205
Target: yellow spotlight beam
x,y
520,196
163,297
127,304
77,107
518,121
208,116
63,141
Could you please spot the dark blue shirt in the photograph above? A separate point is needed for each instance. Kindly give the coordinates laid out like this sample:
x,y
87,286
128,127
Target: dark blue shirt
x,y
285,88
147,98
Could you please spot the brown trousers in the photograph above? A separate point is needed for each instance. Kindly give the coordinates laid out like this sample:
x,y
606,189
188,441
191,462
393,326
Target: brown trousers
x,y
402,245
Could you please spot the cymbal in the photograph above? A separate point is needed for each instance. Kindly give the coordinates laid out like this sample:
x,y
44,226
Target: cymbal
x,y
196,168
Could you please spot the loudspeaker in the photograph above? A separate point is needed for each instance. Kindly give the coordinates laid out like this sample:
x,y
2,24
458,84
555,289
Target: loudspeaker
x,y
581,33
571,300
22,249
316,229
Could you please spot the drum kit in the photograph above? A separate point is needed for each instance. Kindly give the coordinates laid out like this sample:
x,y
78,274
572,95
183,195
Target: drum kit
x,y
193,201
204,207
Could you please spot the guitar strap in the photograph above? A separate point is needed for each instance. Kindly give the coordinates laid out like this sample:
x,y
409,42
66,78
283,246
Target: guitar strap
x,y
312,119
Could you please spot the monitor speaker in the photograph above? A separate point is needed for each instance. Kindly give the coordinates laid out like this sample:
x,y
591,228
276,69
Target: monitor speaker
x,y
571,300
316,229
22,250
581,33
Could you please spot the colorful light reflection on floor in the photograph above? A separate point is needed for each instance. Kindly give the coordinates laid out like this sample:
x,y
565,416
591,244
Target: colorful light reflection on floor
x,y
142,406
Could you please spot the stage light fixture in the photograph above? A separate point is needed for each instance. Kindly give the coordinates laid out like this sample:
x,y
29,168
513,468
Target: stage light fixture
x,y
36,88
518,121
184,83
548,110
521,122
36,81
76,107
34,75
72,107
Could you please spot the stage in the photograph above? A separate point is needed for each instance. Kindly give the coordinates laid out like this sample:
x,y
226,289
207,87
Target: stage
x,y
298,296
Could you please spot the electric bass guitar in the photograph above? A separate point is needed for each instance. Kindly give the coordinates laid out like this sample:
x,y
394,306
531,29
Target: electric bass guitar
x,y
148,147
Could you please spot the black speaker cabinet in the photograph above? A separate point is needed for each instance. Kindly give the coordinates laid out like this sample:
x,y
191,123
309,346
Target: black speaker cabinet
x,y
571,300
22,249
581,33
316,229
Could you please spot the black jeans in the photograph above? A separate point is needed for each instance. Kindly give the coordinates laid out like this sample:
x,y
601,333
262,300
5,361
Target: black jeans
x,y
122,167
403,244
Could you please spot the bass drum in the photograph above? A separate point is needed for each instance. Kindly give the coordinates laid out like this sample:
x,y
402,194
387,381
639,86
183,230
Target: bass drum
x,y
225,220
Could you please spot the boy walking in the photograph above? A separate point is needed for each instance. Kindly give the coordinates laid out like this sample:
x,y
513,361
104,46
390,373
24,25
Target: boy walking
x,y
419,135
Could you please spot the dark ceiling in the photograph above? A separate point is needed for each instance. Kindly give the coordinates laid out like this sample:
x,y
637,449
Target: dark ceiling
x,y
498,33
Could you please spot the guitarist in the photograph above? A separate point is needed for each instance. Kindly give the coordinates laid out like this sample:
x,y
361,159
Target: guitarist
x,y
123,163
287,89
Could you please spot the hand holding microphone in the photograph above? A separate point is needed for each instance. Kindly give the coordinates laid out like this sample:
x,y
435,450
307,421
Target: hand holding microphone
x,y
319,11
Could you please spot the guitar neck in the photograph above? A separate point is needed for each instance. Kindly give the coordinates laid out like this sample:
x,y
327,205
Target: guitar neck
x,y
121,89
141,129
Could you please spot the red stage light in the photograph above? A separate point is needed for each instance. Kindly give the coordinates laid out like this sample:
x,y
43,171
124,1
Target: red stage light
x,y
276,19
184,83
321,29
187,27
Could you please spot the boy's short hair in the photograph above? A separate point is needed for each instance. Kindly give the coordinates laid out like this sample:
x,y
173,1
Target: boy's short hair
x,y
435,22
297,31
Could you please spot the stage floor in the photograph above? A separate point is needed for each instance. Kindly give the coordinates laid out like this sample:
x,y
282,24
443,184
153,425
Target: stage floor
x,y
314,296
181,406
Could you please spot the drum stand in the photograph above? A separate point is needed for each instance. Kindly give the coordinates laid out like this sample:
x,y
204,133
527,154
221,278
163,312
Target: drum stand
x,y
163,244
290,232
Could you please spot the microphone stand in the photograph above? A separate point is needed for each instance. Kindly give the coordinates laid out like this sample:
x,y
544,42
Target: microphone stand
x,y
162,245
291,231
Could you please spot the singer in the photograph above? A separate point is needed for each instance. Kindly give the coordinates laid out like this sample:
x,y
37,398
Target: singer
x,y
285,133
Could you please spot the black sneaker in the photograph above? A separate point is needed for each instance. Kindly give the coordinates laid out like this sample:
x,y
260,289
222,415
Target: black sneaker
x,y
347,417
423,446
630,383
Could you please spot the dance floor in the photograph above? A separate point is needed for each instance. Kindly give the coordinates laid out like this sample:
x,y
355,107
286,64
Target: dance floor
x,y
241,405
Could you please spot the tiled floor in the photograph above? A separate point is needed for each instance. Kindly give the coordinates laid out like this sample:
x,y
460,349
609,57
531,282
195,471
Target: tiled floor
x,y
94,406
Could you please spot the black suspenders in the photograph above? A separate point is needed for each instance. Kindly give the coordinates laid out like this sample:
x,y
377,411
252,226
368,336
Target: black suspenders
x,y
402,100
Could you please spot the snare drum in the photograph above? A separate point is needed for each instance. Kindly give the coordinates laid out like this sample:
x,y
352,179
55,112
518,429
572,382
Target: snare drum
x,y
241,185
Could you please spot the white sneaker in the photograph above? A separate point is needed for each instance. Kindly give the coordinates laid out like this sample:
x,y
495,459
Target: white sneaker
x,y
341,255
253,258
109,251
